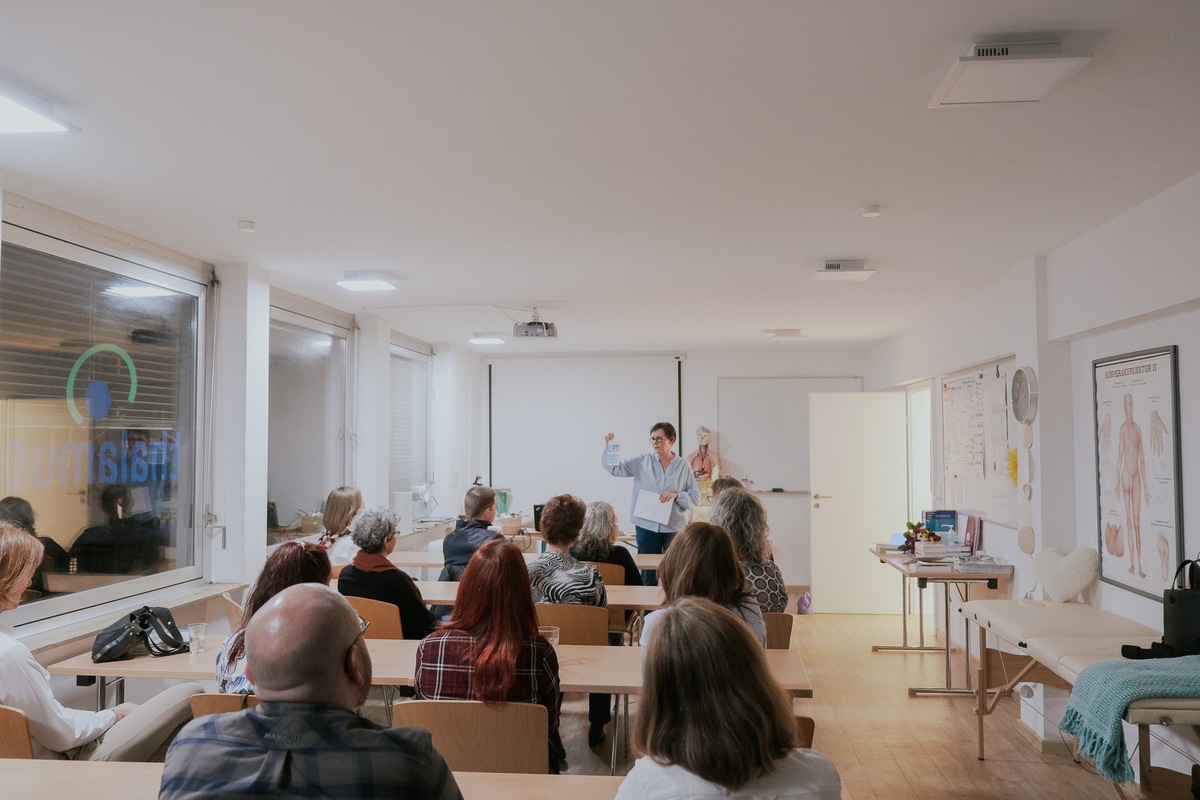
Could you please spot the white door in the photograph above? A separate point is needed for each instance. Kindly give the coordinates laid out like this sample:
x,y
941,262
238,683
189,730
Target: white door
x,y
858,467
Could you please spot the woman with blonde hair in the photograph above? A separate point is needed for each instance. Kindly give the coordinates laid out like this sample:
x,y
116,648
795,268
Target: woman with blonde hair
x,y
598,541
702,563
741,513
340,507
713,721
130,732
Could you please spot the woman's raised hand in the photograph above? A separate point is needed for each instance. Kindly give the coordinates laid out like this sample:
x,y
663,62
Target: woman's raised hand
x,y
608,438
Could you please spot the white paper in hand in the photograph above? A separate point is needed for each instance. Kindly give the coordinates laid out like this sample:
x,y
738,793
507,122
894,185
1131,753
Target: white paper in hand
x,y
649,507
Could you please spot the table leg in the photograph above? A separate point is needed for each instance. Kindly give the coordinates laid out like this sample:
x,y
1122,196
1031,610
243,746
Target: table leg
x,y
949,688
905,607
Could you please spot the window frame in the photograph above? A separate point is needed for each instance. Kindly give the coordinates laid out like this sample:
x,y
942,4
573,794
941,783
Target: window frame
x,y
195,283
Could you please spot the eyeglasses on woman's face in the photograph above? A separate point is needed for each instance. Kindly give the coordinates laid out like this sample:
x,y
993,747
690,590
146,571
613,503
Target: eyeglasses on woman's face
x,y
657,439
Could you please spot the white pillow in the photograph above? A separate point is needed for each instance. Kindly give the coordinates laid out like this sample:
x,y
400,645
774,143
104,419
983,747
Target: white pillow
x,y
1064,575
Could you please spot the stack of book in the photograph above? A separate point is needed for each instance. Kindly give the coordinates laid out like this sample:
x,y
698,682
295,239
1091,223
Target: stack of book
x,y
940,550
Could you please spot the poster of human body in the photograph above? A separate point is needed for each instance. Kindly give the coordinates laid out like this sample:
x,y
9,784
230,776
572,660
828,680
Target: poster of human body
x,y
1137,468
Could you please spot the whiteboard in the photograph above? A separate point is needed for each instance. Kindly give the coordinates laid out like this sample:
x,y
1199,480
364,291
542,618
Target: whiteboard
x,y
978,432
549,418
762,428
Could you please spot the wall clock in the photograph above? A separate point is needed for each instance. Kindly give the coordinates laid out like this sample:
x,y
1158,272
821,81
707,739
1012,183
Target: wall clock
x,y
1024,395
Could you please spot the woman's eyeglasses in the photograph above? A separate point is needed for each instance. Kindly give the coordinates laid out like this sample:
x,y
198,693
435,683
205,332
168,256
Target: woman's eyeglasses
x,y
657,439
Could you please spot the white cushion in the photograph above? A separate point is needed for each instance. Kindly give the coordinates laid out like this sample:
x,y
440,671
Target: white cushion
x,y
1064,576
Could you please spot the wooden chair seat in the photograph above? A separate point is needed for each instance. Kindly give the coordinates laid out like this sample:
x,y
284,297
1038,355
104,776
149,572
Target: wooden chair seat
x,y
779,630
204,704
476,737
14,734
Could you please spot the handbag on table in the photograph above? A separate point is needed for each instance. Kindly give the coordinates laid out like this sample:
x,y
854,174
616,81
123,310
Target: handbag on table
x,y
1181,617
150,626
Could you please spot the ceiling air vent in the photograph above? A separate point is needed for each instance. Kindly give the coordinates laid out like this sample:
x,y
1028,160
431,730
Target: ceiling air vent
x,y
1006,72
843,270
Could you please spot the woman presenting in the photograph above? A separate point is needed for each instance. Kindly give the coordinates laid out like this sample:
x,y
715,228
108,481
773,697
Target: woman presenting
x,y
665,474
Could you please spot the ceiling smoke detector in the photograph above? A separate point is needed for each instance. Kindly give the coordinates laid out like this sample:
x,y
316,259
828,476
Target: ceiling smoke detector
x,y
1006,72
843,271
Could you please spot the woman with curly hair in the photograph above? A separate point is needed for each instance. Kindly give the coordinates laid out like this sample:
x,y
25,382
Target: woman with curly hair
x,y
741,513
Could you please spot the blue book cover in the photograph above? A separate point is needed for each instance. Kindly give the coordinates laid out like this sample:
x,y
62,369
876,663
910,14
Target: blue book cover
x,y
941,521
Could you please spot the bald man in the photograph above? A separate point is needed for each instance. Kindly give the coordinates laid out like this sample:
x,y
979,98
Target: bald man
x,y
311,671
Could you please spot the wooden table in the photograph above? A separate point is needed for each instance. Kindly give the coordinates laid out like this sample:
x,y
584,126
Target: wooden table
x,y
582,668
648,561
637,598
909,569
82,780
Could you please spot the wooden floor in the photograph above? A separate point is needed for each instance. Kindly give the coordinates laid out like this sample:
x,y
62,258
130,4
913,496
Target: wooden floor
x,y
886,744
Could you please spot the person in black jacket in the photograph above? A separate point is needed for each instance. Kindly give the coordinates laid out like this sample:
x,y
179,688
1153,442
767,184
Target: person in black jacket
x,y
374,577
471,533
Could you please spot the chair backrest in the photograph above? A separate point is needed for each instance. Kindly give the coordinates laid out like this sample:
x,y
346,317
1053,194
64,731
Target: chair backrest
x,y
336,571
14,734
204,704
477,737
233,611
577,624
612,575
779,630
806,728
384,618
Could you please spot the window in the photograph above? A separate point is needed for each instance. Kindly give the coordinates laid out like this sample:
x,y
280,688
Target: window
x,y
306,451
99,369
408,415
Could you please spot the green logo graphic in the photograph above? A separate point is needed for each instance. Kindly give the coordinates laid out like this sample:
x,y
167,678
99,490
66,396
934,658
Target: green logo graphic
x,y
98,396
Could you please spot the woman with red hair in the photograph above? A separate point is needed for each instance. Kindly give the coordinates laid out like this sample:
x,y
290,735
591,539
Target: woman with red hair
x,y
490,649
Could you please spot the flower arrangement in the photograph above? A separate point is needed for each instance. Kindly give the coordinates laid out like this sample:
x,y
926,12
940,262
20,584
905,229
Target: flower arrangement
x,y
917,532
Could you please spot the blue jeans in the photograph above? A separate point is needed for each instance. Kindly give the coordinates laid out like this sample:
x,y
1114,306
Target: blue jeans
x,y
652,542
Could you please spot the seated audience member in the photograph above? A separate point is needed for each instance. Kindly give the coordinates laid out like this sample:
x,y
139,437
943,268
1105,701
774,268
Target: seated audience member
x,y
127,543
372,576
18,510
340,507
127,732
490,649
726,482
741,513
598,541
713,721
471,533
703,563
312,671
291,563
557,577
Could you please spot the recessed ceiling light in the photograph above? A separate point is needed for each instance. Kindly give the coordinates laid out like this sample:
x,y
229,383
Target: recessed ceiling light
x,y
366,282
870,211
138,292
24,112
246,226
485,338
1006,72
784,334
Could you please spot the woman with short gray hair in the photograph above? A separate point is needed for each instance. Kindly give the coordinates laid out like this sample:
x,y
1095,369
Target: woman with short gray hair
x,y
374,577
741,513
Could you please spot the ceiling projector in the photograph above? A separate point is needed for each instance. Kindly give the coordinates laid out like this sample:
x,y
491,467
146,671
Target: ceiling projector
x,y
535,330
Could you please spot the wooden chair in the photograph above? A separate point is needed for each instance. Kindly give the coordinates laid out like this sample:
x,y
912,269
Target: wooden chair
x,y
577,624
806,728
336,573
613,575
14,734
385,624
204,704
233,611
779,630
384,618
475,737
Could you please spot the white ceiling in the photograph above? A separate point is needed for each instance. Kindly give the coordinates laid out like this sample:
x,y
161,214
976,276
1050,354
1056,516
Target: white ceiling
x,y
661,175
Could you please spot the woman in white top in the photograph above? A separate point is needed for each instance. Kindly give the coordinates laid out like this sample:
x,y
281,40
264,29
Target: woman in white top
x,y
713,721
340,507
702,562
127,732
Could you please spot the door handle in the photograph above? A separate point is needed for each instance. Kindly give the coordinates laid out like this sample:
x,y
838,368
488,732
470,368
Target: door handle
x,y
817,498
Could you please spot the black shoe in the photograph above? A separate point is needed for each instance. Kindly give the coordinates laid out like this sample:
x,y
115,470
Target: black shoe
x,y
595,734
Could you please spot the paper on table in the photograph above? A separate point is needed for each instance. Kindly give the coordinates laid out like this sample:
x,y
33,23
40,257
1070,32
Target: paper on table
x,y
648,507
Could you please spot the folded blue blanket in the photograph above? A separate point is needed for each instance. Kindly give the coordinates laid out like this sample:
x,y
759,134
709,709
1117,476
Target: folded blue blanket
x,y
1103,692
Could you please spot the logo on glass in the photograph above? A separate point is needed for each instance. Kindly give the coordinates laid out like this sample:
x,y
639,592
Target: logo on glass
x,y
98,396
